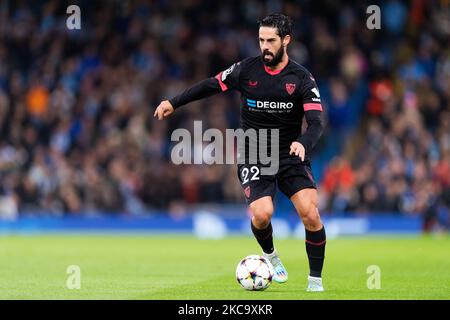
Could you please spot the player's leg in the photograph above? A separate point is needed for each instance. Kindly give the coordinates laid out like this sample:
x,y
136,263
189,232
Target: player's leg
x,y
305,202
297,183
259,192
262,211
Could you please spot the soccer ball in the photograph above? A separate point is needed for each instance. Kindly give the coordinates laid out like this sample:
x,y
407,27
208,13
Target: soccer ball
x,y
254,272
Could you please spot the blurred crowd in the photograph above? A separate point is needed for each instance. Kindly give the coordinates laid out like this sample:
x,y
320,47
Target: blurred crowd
x,y
399,158
76,106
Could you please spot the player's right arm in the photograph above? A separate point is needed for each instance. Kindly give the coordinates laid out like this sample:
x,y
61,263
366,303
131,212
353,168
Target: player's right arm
x,y
226,80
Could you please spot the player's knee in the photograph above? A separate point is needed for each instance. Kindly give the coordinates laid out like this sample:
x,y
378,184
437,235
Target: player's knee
x,y
311,218
262,213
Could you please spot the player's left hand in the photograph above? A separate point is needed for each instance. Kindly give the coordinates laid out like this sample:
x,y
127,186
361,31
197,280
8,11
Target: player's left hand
x,y
298,149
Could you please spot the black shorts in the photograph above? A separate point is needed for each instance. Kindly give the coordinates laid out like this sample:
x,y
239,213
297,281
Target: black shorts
x,y
290,178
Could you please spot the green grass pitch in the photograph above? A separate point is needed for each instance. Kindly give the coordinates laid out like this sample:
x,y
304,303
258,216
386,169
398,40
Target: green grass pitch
x,y
183,267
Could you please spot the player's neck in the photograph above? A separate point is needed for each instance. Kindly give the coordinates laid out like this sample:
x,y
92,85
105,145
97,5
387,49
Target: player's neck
x,y
280,66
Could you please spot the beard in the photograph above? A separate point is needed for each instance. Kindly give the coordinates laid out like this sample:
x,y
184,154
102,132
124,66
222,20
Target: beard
x,y
276,59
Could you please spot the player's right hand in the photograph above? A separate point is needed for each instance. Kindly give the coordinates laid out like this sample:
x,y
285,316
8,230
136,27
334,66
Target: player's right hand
x,y
164,109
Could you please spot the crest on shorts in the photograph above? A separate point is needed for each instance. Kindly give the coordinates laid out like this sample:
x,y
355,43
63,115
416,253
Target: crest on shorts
x,y
290,88
247,192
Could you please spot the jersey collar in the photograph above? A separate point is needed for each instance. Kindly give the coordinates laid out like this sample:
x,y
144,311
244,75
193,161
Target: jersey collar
x,y
274,72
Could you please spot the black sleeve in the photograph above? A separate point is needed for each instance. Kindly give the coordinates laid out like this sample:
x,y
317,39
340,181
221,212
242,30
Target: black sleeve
x,y
225,80
198,91
314,130
313,113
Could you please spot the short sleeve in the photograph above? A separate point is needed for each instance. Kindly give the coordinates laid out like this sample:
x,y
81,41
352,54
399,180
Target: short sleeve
x,y
311,94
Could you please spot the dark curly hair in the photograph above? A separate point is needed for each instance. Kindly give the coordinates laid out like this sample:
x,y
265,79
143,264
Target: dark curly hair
x,y
281,22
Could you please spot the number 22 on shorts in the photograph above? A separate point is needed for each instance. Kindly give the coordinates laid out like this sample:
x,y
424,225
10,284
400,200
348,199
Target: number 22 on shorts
x,y
253,173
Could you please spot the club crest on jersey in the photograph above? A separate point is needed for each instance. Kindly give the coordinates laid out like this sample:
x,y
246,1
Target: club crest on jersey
x,y
290,88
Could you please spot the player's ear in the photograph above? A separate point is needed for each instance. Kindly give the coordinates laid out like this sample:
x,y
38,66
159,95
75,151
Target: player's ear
x,y
286,40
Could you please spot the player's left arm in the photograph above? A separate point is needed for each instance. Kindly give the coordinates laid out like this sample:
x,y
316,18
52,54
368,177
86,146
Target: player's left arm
x,y
312,107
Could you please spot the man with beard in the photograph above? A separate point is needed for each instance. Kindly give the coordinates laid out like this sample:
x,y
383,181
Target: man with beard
x,y
276,93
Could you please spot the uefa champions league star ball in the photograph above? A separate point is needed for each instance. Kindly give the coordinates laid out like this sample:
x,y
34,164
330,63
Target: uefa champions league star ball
x,y
254,272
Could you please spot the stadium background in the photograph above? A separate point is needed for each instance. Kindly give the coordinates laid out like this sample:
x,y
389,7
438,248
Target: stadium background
x,y
77,137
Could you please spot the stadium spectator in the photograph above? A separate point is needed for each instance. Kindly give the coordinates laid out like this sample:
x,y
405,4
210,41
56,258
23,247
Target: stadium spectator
x,y
75,130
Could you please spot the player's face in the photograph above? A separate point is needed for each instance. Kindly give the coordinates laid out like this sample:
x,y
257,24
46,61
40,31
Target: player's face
x,y
272,46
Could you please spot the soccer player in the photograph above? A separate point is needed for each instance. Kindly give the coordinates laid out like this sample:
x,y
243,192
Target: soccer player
x,y
276,93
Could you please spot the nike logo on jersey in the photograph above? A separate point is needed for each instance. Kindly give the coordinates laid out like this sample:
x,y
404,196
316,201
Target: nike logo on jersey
x,y
252,84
